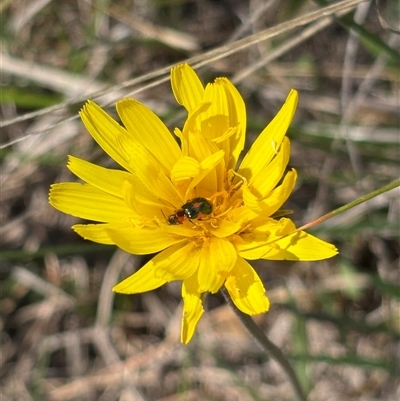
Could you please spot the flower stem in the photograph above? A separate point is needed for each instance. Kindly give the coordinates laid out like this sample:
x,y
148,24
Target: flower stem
x,y
268,346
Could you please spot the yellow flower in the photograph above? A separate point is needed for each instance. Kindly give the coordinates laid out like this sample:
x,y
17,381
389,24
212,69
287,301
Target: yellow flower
x,y
228,215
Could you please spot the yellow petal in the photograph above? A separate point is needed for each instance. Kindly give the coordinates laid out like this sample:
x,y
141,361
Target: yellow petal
x,y
260,238
192,125
94,232
143,280
142,201
225,228
88,202
301,246
237,118
143,240
211,161
214,121
167,266
104,130
276,228
200,151
218,256
187,229
278,240
178,262
192,308
199,147
265,146
267,179
105,179
186,86
279,195
150,173
147,129
185,168
225,136
242,215
246,289
250,200
207,167
253,248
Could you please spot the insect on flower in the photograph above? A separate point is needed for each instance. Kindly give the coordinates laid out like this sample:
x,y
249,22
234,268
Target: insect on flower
x,y
240,218
196,208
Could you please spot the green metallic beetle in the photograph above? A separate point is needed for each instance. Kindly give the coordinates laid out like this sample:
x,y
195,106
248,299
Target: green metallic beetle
x,y
196,208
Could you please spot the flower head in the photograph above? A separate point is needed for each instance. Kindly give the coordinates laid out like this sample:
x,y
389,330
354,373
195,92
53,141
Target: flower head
x,y
191,202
